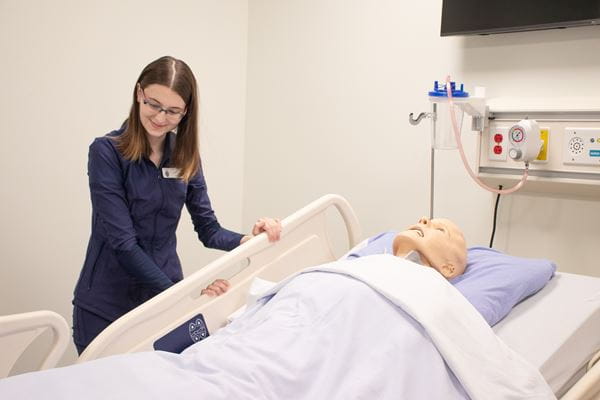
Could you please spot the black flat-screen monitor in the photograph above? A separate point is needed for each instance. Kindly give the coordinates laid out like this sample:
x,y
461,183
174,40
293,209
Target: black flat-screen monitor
x,y
471,17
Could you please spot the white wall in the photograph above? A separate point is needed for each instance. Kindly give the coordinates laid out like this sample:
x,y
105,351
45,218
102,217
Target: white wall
x,y
330,87
67,76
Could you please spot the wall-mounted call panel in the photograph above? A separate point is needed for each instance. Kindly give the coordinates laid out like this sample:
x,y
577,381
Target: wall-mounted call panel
x,y
569,159
581,146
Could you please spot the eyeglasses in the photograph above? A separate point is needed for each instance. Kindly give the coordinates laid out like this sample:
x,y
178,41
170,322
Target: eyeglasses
x,y
172,114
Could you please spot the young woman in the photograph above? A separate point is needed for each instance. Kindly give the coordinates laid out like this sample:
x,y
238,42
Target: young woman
x,y
140,177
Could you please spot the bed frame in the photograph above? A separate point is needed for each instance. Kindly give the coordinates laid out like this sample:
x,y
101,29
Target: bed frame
x,y
588,386
18,331
305,241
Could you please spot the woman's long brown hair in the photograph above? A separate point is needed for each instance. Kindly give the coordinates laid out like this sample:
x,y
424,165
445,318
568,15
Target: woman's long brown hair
x,y
133,143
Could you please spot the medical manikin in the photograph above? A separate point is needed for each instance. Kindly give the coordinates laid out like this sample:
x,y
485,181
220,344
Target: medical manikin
x,y
436,243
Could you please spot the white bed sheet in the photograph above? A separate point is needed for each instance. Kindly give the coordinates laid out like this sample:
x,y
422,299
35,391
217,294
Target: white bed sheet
x,y
558,329
320,329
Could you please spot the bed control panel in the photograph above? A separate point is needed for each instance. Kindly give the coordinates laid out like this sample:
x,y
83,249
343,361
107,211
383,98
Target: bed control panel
x,y
186,334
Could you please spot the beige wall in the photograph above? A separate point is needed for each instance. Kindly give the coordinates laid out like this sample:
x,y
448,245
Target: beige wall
x,y
68,70
330,87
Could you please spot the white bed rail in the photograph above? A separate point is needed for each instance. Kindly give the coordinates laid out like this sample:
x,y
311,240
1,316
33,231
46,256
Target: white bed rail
x,y
17,331
588,387
304,242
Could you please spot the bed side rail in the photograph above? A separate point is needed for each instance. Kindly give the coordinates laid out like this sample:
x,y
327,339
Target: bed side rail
x,y
588,386
17,331
304,242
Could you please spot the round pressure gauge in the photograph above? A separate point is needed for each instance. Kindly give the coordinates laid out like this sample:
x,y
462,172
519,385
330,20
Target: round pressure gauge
x,y
517,134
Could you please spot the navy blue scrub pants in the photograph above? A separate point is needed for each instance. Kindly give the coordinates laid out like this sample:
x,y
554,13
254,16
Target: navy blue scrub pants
x,y
86,326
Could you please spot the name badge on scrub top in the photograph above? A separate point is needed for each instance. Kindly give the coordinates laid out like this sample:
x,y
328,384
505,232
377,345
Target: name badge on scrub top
x,y
171,173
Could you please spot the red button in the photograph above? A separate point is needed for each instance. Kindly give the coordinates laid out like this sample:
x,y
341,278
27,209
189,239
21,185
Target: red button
x,y
497,149
498,138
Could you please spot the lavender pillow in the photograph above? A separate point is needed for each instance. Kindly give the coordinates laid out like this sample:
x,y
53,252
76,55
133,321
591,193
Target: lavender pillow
x,y
493,282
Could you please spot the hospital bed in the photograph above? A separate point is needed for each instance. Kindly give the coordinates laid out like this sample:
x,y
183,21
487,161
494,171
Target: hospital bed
x,y
18,331
556,330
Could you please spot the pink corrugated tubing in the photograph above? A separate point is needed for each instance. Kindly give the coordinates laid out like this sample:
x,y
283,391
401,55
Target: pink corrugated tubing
x,y
462,152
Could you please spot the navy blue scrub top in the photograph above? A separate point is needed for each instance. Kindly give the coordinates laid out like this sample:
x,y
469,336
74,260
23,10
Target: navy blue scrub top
x,y
131,255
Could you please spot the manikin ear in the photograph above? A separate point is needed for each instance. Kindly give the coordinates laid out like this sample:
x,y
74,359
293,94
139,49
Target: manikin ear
x,y
447,270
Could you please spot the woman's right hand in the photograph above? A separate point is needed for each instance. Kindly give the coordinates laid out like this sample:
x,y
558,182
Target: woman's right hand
x,y
217,288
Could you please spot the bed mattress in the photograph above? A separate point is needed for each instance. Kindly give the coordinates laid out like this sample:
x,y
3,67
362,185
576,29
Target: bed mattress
x,y
557,330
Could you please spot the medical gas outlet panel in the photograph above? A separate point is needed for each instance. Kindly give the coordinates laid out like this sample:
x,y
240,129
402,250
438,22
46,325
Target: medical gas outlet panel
x,y
568,161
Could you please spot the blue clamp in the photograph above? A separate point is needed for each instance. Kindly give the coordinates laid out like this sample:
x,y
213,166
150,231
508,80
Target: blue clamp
x,y
439,90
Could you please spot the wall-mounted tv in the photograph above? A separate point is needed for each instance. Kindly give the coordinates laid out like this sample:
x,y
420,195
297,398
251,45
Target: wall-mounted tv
x,y
479,17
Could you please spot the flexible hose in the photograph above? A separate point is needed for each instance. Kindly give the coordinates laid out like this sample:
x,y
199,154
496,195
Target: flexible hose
x,y
464,158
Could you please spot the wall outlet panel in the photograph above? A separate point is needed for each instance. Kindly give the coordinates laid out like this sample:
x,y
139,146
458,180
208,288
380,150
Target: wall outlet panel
x,y
568,164
498,144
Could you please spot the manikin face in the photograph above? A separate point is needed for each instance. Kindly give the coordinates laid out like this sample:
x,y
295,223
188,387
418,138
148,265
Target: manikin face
x,y
161,109
439,242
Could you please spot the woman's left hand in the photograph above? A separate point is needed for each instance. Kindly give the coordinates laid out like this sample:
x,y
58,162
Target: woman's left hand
x,y
217,288
271,226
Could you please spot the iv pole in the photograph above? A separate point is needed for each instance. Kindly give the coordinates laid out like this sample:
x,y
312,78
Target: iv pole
x,y
432,157
413,121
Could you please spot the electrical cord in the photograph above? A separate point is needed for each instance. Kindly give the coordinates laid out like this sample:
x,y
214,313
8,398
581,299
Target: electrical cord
x,y
495,216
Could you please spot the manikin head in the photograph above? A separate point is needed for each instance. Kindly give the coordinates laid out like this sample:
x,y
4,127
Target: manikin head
x,y
439,242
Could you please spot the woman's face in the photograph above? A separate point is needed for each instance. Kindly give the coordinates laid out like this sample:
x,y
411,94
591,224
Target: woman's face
x,y
161,109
